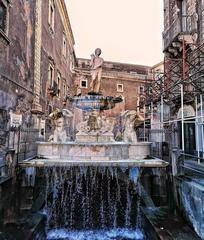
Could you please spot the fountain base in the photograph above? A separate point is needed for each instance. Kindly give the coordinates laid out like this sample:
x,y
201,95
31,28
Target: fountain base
x,y
94,138
94,151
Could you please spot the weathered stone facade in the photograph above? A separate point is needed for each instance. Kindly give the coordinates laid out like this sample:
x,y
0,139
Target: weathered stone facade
x,y
27,46
54,91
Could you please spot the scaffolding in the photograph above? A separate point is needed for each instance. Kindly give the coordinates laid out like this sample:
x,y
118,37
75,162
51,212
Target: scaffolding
x,y
181,84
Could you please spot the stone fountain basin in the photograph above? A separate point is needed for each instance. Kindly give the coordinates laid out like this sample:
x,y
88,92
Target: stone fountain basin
x,y
93,151
95,102
149,163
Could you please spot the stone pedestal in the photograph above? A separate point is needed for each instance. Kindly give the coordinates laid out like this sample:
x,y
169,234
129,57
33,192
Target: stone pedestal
x,y
83,151
93,151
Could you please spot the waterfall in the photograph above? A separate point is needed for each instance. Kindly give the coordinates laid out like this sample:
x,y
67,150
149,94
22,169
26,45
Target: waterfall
x,y
87,197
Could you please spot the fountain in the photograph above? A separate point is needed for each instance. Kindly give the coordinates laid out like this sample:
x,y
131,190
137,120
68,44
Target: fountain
x,y
92,203
94,140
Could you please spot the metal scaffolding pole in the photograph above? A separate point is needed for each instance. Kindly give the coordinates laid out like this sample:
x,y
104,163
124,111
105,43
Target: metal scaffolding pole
x,y
152,118
182,119
201,112
162,117
197,130
144,122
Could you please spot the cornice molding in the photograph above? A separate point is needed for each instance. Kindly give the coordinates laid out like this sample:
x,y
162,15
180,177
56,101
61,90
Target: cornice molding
x,y
118,76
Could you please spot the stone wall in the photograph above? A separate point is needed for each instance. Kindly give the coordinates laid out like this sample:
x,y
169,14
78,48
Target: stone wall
x,y
191,195
24,63
16,69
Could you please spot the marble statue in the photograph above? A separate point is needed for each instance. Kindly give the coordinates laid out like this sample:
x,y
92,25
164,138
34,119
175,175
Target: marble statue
x,y
132,119
96,71
59,120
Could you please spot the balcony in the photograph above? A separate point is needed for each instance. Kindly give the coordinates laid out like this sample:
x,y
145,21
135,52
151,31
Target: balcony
x,y
182,26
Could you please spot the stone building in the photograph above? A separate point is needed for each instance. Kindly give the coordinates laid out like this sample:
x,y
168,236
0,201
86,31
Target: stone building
x,y
36,66
118,79
176,104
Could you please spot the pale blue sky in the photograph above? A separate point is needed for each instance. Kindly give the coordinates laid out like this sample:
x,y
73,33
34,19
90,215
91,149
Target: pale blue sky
x,y
128,31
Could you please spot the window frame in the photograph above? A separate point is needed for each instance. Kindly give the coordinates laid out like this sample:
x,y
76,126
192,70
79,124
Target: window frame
x,y
51,79
64,88
118,87
4,32
59,83
83,80
141,87
51,17
64,46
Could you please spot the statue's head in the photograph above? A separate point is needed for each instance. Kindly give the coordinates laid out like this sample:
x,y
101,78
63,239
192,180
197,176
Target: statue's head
x,y
98,52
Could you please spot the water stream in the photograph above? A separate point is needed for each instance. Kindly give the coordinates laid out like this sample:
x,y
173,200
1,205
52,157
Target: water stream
x,y
73,203
92,203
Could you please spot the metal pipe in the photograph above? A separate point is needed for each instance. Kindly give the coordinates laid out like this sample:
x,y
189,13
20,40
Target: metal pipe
x,y
152,118
201,110
197,127
144,122
178,120
162,115
182,119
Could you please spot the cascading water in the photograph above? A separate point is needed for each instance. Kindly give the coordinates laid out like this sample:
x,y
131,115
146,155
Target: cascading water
x,y
92,203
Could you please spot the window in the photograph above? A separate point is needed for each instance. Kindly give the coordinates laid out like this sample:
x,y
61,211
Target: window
x,y
3,16
51,19
83,83
58,84
64,89
4,11
141,89
119,87
51,75
64,46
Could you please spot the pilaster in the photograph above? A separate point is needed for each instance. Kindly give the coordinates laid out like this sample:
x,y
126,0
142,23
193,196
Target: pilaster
x,y
36,107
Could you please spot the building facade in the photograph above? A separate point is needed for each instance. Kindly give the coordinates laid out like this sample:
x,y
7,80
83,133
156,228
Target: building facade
x,y
36,68
118,79
175,105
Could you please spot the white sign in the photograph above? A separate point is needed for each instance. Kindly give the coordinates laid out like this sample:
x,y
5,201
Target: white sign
x,y
16,120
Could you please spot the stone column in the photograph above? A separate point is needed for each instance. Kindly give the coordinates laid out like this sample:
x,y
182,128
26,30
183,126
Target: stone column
x,y
36,107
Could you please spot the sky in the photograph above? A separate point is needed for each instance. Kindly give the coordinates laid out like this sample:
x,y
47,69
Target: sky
x,y
127,31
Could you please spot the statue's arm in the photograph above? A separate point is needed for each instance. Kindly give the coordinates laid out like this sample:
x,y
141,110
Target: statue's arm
x,y
92,60
98,64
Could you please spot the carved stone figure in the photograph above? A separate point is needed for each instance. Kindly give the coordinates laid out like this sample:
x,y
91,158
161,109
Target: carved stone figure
x,y
96,71
94,121
59,118
131,120
107,125
95,124
83,127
